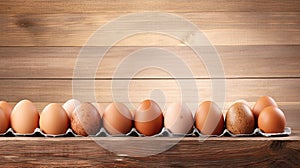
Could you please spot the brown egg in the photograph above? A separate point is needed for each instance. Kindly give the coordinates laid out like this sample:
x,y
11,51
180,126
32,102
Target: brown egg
x,y
4,122
54,119
240,119
178,118
117,119
70,106
6,108
209,119
148,119
271,120
24,117
100,108
86,120
262,103
243,101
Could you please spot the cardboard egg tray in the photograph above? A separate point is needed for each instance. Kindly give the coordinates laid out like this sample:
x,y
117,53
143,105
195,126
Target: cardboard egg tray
x,y
134,133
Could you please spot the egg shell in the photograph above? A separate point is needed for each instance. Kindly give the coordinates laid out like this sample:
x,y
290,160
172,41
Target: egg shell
x,y
148,118
243,101
209,119
70,105
86,120
271,120
117,119
24,117
262,103
100,108
240,119
178,118
4,122
6,108
54,119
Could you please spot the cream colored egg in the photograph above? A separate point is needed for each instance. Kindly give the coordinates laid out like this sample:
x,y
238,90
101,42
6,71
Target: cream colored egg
x,y
70,106
178,118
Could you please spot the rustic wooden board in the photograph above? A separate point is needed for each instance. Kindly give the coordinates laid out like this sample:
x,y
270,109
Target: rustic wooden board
x,y
258,43
204,20
190,151
238,61
221,28
29,32
283,90
91,6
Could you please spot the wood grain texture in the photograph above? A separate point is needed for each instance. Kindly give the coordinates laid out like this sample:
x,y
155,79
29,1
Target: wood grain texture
x,y
221,28
258,43
92,6
238,62
283,90
204,20
262,152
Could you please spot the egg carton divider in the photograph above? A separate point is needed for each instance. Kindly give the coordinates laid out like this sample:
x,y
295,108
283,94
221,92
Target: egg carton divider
x,y
134,133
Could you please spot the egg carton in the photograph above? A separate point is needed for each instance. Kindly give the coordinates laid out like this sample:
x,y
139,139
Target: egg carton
x,y
196,133
163,133
257,132
37,133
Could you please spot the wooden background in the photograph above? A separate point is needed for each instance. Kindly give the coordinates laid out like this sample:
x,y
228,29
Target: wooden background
x,y
258,42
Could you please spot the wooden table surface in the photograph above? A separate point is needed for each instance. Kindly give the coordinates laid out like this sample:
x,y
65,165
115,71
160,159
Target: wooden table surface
x,y
258,43
189,151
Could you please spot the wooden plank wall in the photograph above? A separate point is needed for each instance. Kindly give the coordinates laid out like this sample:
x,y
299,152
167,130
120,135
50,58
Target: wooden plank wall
x,y
258,43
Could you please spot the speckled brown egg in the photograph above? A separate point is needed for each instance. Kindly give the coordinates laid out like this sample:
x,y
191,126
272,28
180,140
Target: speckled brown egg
x,y
117,119
209,119
243,101
24,117
178,118
54,119
148,118
86,120
240,119
262,103
100,108
271,120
